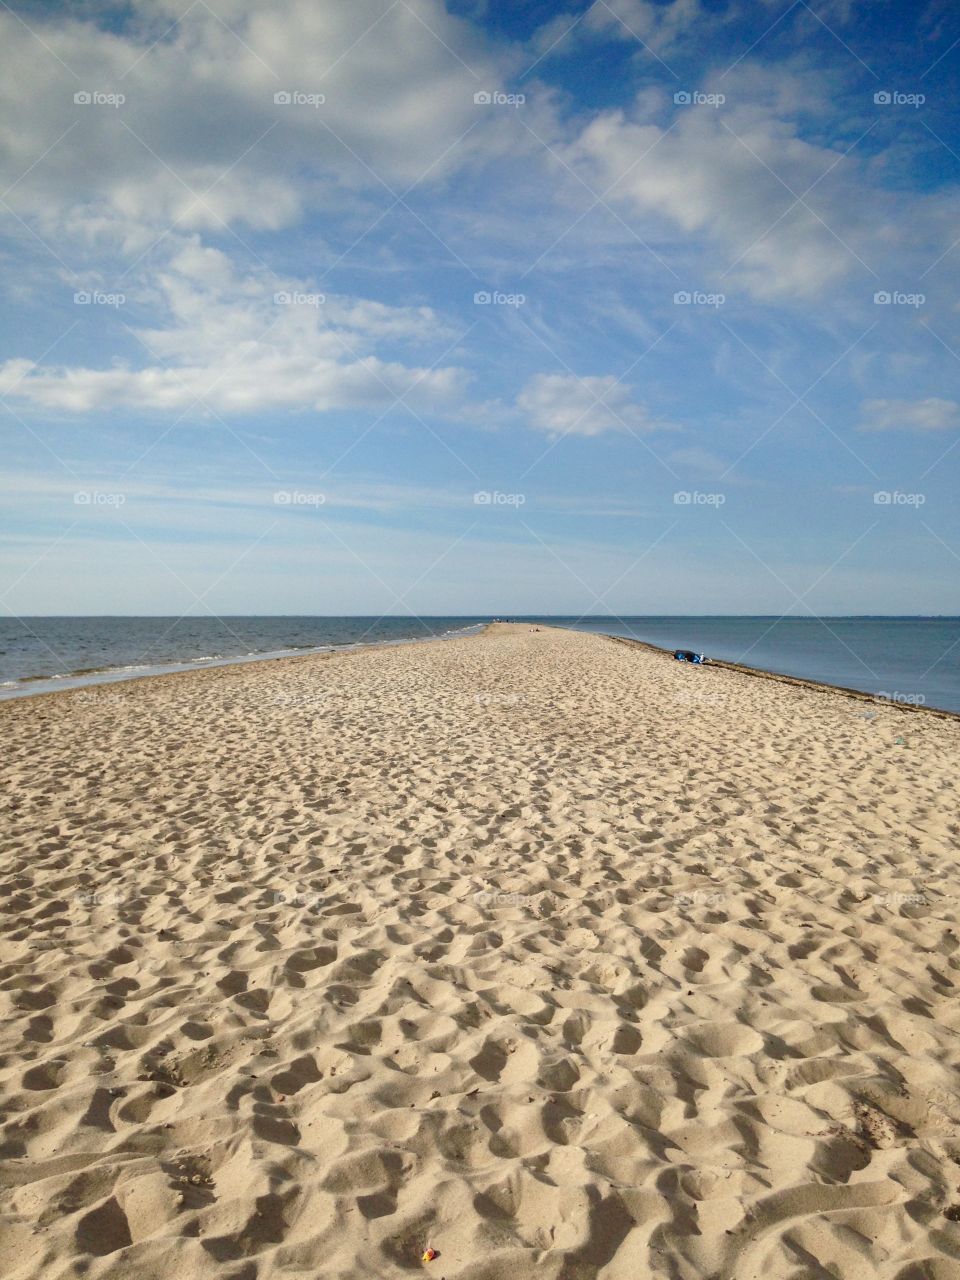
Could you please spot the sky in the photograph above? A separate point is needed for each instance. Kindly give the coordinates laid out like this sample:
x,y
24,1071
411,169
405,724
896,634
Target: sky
x,y
392,307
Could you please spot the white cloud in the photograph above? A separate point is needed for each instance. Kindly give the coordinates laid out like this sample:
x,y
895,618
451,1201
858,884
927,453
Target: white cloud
x,y
199,139
657,25
267,379
199,143
660,26
727,179
567,405
230,346
931,414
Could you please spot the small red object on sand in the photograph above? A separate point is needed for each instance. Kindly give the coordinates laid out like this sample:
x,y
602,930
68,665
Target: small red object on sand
x,y
429,1255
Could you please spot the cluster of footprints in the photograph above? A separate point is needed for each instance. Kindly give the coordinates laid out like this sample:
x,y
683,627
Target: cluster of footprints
x,y
311,965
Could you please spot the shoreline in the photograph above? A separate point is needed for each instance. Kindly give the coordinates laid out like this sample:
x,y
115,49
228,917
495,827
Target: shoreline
x,y
716,664
76,683
802,682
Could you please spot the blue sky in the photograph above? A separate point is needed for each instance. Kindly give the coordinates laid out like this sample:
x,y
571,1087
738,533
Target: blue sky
x,y
383,307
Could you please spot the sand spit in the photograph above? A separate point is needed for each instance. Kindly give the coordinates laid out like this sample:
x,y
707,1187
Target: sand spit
x,y
547,952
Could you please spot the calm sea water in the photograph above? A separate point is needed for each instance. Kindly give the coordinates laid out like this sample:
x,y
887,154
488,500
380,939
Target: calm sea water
x,y
907,659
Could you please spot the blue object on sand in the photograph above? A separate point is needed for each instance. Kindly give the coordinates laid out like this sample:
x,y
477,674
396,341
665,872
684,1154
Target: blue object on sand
x,y
687,655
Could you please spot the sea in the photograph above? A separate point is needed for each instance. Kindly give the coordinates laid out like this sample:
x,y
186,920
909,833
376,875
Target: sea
x,y
909,660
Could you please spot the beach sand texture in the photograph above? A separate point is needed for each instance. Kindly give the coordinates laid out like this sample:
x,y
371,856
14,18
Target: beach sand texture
x,y
548,952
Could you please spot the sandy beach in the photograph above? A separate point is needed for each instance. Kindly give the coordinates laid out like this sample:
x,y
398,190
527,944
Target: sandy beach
x,y
537,949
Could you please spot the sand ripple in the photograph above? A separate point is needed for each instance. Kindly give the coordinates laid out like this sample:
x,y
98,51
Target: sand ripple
x,y
505,946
